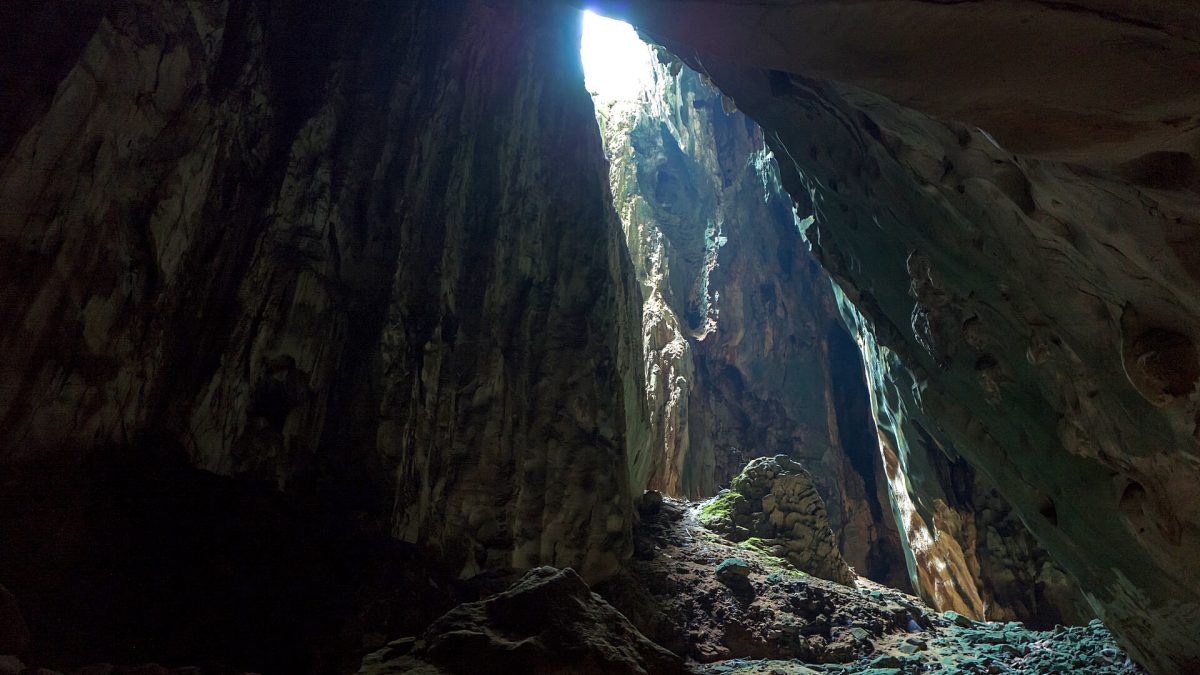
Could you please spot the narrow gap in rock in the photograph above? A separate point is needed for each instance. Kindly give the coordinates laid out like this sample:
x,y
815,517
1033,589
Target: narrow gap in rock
x,y
745,355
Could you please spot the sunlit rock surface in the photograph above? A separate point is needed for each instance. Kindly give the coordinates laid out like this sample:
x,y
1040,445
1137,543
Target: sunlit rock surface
x,y
744,353
777,619
1031,307
968,551
282,280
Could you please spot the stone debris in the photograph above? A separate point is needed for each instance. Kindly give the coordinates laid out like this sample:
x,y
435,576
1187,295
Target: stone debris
x,y
735,573
649,503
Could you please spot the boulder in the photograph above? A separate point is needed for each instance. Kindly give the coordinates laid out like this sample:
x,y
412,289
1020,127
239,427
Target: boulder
x,y
792,515
549,622
735,573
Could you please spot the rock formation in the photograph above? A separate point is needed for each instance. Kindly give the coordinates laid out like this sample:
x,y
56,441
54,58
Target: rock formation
x,y
775,501
549,622
740,339
1096,82
1023,308
737,609
383,301
967,549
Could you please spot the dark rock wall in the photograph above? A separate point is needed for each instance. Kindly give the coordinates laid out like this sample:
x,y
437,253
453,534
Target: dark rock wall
x,y
549,621
363,254
738,319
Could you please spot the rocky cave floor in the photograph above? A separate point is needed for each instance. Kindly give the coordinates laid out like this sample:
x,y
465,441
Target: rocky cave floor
x,y
759,614
694,602
727,609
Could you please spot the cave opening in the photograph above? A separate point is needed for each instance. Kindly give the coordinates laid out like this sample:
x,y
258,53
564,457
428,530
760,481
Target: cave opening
x,y
745,354
617,64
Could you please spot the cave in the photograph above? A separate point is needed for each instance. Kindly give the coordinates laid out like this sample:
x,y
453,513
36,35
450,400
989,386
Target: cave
x,y
363,337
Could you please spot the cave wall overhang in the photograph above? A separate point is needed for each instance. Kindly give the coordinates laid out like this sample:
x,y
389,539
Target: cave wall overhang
x,y
1097,82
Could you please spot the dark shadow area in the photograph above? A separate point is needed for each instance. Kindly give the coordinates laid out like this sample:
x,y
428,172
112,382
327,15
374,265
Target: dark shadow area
x,y
132,563
856,428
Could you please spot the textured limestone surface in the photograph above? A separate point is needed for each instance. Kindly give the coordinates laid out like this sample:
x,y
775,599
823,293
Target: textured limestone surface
x,y
1038,317
548,622
385,257
967,649
744,352
775,501
364,254
967,549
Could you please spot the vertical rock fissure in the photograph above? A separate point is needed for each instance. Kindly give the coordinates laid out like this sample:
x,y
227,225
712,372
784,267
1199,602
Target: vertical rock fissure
x,y
737,318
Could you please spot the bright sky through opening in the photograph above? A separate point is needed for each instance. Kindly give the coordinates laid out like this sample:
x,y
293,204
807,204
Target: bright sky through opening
x,y
616,63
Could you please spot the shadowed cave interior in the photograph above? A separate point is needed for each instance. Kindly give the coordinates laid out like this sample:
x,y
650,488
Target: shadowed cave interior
x,y
662,337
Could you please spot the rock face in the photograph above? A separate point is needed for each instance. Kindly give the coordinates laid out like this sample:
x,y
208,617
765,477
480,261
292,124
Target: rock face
x,y
968,550
740,329
1021,308
774,499
363,254
548,623
1099,82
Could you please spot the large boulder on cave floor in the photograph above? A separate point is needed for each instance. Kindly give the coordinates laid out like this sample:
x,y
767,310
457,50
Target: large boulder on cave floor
x,y
547,623
775,500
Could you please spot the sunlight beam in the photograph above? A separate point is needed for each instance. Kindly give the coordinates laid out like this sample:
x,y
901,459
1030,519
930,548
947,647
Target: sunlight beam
x,y
617,65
